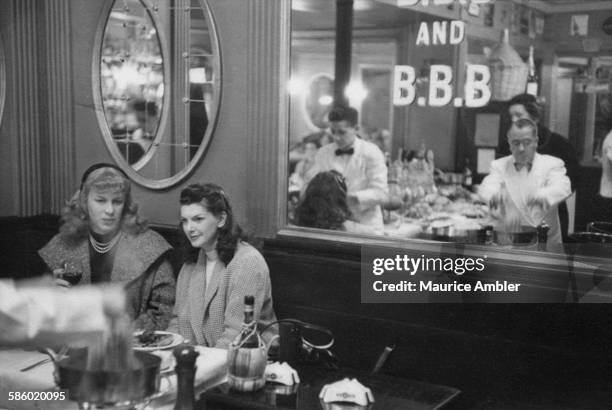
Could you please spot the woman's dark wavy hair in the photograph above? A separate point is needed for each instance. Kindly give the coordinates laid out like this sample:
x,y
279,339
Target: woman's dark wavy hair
x,y
74,216
324,203
533,107
214,199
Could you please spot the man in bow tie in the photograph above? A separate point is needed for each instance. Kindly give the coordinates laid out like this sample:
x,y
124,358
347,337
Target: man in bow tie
x,y
361,162
526,183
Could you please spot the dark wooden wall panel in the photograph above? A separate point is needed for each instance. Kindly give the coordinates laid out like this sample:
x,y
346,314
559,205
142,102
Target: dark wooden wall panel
x,y
504,350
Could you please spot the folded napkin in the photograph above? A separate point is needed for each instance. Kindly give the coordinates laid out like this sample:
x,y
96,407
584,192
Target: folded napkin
x,y
347,390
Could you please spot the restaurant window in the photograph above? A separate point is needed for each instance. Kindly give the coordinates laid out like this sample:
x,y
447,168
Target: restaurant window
x,y
431,84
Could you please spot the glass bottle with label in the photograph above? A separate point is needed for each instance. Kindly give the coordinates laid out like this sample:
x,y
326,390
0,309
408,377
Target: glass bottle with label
x,y
532,79
249,338
247,354
467,175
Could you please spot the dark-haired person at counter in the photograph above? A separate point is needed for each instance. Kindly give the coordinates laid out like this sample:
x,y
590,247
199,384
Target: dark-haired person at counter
x,y
526,184
360,162
549,143
103,235
324,206
220,269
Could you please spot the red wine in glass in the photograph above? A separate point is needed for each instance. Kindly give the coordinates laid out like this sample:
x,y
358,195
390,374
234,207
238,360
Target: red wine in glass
x,y
72,273
72,277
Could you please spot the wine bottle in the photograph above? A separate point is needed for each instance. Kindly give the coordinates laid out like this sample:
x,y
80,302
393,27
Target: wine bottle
x,y
248,335
246,358
185,374
467,174
532,79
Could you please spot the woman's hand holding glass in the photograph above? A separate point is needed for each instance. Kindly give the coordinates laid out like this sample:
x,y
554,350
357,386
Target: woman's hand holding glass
x,y
68,275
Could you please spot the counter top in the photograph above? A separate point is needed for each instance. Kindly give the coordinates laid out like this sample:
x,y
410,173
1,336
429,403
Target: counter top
x,y
389,393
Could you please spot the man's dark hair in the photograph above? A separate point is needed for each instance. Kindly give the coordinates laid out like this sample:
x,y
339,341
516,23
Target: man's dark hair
x,y
344,113
525,123
531,104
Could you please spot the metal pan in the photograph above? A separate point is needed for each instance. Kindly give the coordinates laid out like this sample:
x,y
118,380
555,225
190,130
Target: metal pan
x,y
451,233
108,387
527,235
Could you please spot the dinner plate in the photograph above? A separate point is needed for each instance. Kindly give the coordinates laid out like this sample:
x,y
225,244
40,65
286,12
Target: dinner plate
x,y
176,340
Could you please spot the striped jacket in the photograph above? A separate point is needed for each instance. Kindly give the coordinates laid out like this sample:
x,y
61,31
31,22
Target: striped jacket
x,y
212,314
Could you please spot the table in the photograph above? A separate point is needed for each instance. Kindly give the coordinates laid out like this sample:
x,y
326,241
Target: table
x,y
211,370
390,393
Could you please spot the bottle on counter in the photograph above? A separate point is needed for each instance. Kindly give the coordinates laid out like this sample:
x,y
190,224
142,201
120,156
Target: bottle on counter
x,y
393,201
185,356
532,79
467,175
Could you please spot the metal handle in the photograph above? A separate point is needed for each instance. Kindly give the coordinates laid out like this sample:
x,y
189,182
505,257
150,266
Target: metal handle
x,y
383,358
35,365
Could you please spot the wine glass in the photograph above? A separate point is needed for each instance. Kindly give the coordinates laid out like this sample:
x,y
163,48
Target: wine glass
x,y
406,201
73,272
394,201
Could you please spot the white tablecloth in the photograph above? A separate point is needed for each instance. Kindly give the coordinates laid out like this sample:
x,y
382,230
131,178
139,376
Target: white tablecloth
x,y
211,370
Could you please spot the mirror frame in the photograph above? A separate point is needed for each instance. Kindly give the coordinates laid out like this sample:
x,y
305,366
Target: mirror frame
x,y
107,135
2,79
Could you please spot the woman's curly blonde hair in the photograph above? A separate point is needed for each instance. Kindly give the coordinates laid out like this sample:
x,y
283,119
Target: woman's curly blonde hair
x,y
75,218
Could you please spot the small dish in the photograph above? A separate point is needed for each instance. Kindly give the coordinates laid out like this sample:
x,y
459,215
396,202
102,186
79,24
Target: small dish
x,y
167,340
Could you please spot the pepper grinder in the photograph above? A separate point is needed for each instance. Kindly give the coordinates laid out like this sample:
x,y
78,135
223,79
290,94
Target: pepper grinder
x,y
185,356
542,232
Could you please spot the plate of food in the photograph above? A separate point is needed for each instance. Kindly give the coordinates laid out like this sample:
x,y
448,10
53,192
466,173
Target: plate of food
x,y
147,341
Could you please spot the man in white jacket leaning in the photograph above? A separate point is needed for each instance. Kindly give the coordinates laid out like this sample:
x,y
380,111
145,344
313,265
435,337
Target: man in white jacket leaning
x,y
527,184
360,162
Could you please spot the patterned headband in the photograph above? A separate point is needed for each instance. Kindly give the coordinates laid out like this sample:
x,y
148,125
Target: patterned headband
x,y
97,166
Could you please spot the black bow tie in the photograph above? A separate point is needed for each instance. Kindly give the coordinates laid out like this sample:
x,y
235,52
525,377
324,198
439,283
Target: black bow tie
x,y
346,151
518,166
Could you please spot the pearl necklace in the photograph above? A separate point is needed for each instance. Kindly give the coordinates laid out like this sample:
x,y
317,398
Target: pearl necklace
x,y
103,247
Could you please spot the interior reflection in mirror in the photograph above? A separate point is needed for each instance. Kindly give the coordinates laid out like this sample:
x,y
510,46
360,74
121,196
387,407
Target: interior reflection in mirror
x,y
319,99
396,174
159,86
311,87
132,74
427,134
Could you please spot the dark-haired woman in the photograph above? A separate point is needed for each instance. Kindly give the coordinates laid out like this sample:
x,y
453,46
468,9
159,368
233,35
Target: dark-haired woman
x,y
103,234
324,205
220,269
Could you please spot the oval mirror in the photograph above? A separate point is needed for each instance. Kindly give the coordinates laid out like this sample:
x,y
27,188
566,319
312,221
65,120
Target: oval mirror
x,y
157,86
